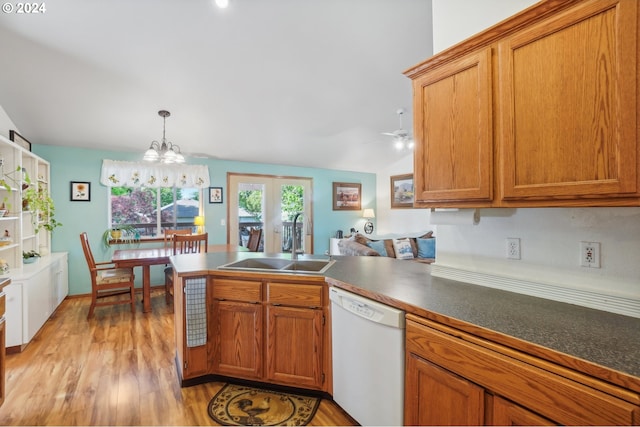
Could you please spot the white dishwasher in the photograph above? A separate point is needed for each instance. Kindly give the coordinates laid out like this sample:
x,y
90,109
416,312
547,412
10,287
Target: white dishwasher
x,y
368,358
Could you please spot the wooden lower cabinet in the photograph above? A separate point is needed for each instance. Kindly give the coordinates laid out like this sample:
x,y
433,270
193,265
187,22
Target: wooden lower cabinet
x,y
237,331
506,413
455,378
269,331
294,346
435,396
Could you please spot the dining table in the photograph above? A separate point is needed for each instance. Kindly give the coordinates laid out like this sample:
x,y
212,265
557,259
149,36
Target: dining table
x,y
146,257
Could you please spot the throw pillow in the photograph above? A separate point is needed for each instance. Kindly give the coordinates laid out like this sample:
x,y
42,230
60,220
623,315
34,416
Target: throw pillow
x,y
378,246
402,248
426,248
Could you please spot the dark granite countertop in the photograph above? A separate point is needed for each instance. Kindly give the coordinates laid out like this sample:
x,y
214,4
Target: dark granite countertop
x,y
597,337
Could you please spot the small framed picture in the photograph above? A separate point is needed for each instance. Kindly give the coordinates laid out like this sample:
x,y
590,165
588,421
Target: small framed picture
x,y
402,191
346,196
19,139
80,191
215,194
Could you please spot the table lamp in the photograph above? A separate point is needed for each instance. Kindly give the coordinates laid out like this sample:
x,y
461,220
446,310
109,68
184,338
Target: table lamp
x,y
368,226
199,221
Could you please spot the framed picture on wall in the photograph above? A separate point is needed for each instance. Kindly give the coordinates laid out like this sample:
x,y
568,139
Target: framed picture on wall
x,y
215,194
402,191
347,196
19,139
80,191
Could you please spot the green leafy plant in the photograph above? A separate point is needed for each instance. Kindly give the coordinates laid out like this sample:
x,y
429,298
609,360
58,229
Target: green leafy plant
x,y
30,254
39,203
122,233
36,200
11,182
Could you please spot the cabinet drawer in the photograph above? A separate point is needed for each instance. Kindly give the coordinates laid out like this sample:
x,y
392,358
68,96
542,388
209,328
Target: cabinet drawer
x,y
294,294
237,290
2,303
549,394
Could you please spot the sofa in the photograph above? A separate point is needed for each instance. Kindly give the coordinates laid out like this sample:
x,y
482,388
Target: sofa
x,y
421,248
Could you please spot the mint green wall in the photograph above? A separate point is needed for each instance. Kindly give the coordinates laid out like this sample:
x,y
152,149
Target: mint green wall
x,y
75,164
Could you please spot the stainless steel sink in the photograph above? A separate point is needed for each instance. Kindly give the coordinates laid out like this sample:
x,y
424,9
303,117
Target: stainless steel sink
x,y
280,265
308,265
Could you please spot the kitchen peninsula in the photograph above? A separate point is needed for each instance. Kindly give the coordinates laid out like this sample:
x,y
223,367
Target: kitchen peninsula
x,y
524,358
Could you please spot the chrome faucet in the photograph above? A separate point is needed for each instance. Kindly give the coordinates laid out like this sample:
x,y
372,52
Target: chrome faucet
x,y
294,242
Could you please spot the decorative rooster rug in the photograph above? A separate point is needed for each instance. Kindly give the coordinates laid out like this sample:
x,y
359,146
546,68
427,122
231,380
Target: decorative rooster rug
x,y
236,405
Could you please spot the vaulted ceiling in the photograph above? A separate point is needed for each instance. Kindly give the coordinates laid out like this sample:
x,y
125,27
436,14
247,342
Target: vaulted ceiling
x,y
298,82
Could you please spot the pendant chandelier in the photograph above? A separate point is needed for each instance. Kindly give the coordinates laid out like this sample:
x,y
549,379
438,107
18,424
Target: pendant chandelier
x,y
165,151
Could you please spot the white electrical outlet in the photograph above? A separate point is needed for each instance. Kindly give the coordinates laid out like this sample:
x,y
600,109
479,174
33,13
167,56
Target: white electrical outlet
x,y
513,248
590,254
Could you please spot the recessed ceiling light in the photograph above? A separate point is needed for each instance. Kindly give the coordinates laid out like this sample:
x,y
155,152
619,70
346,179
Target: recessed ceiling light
x,y
222,4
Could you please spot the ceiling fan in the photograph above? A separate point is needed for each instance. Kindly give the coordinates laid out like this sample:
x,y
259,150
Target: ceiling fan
x,y
401,137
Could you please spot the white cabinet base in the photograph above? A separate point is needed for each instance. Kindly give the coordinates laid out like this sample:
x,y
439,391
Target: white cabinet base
x,y
33,295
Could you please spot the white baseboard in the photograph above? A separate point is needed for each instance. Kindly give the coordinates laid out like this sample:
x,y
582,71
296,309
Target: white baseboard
x,y
585,298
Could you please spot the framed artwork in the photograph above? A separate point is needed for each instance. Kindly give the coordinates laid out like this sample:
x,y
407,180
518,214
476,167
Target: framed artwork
x,y
19,139
80,191
402,191
346,196
215,194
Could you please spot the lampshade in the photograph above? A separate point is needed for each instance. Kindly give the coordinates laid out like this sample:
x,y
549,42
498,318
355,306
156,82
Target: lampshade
x,y
368,213
198,220
165,151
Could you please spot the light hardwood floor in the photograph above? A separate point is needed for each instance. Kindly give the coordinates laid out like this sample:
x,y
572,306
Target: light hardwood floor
x,y
116,369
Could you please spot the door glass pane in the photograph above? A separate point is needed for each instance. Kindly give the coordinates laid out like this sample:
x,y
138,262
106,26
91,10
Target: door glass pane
x,y
291,203
250,210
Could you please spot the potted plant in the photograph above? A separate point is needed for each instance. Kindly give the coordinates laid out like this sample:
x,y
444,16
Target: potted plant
x,y
30,257
33,199
123,233
38,200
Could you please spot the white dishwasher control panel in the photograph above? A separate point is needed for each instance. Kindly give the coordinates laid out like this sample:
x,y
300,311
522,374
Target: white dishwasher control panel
x,y
367,309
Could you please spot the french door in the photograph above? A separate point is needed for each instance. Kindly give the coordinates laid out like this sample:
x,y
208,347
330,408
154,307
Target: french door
x,y
270,203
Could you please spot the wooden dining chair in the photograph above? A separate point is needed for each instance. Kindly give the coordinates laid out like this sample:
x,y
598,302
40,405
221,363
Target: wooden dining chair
x,y
253,244
168,271
190,244
107,281
183,244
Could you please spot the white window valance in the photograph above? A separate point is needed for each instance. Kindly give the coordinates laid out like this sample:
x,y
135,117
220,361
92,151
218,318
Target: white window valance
x,y
135,174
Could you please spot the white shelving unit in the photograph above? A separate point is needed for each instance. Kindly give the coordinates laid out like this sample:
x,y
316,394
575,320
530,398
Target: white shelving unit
x,y
20,224
36,289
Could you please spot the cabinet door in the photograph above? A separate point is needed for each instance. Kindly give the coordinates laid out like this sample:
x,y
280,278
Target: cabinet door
x,y
38,304
568,105
435,396
13,314
294,346
506,413
60,275
237,331
453,158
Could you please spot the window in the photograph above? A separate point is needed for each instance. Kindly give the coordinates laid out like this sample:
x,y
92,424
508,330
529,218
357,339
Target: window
x,y
138,207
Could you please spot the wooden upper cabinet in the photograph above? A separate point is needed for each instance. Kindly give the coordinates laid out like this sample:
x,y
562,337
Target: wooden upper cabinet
x,y
453,131
538,110
567,105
